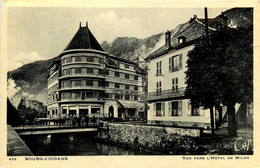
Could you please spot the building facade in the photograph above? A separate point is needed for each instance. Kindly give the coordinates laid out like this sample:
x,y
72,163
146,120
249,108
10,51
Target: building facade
x,y
167,103
166,80
88,81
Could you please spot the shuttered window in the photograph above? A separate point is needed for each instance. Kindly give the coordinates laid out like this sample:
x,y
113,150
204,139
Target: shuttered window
x,y
175,63
159,68
176,108
175,84
158,87
180,61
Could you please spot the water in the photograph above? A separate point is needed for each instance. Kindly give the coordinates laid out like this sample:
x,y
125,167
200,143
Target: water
x,y
73,144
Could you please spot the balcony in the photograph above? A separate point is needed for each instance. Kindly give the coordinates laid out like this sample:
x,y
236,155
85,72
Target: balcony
x,y
81,87
88,75
165,94
86,100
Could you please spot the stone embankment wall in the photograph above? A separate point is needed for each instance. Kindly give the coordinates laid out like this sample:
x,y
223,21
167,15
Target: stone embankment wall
x,y
159,139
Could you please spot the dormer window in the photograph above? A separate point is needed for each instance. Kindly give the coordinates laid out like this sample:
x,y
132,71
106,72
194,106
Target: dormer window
x,y
181,39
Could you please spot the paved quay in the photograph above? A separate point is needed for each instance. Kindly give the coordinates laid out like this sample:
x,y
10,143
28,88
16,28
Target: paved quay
x,y
15,145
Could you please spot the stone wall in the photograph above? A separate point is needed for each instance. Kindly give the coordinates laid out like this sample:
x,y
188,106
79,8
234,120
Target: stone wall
x,y
167,140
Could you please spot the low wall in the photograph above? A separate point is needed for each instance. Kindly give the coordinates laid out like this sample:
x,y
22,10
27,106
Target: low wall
x,y
166,140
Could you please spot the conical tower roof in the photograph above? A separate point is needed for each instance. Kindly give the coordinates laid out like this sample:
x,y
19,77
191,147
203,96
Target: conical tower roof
x,y
83,39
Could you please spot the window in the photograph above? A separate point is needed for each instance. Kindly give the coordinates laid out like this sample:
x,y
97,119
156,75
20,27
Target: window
x,y
76,83
127,76
159,109
68,71
175,63
77,70
89,83
90,70
64,111
90,59
136,97
95,110
101,60
175,108
116,85
117,74
100,71
66,95
135,87
159,68
96,60
195,111
107,84
126,66
89,94
78,59
159,87
63,61
175,84
127,97
136,77
126,86
48,112
100,83
68,60
76,95
117,96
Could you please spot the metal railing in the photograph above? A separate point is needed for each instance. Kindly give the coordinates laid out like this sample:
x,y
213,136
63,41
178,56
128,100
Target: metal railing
x,y
170,93
82,75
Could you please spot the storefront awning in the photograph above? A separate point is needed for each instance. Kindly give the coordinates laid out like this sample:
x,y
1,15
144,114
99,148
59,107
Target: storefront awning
x,y
131,104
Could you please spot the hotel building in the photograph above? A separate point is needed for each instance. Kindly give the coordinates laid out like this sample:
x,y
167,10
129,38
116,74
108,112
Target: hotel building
x,y
88,81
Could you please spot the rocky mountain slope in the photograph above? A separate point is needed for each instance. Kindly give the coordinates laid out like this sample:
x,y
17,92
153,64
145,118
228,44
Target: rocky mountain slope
x,y
30,80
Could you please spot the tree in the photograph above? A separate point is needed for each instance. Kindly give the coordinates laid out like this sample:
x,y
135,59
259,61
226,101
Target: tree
x,y
12,114
222,71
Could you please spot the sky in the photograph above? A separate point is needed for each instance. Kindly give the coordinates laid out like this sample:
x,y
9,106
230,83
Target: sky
x,y
40,33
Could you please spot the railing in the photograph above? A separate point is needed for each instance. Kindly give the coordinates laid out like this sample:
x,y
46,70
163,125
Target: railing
x,y
83,75
81,99
82,87
164,94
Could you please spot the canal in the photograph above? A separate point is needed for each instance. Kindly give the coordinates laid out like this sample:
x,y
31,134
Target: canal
x,y
74,144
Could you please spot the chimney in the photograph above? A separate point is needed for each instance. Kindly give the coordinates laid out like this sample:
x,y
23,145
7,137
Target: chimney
x,y
168,38
223,20
86,23
79,24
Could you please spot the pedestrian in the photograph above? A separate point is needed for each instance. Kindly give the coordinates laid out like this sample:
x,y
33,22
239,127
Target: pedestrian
x,y
82,120
86,120
79,120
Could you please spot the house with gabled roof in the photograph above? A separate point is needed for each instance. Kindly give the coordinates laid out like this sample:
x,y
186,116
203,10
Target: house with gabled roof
x,y
167,103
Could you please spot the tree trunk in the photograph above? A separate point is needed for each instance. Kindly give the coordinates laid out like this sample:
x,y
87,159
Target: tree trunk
x,y
212,120
232,126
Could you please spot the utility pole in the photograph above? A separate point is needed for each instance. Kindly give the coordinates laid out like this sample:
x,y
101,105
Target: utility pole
x,y
207,38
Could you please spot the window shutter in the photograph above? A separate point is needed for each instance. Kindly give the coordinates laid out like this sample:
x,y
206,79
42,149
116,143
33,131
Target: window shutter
x,y
154,109
169,108
170,64
189,108
179,108
160,68
163,108
180,61
157,70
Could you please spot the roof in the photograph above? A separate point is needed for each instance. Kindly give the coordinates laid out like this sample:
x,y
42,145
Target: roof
x,y
239,17
83,39
131,104
195,30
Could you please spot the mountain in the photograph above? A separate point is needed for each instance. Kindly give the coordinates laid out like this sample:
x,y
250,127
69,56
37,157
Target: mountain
x,y
30,80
